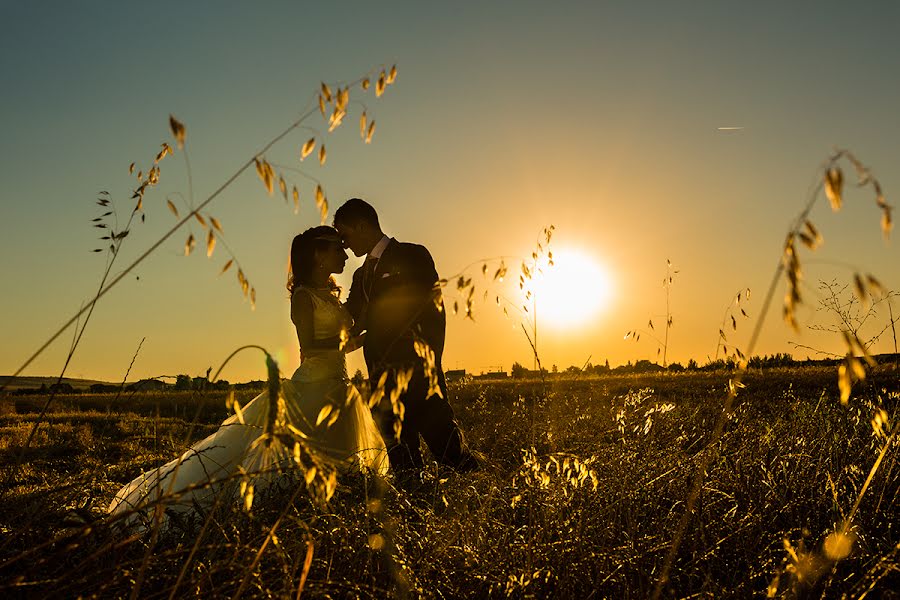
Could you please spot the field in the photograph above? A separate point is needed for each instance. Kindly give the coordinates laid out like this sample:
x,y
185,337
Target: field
x,y
584,483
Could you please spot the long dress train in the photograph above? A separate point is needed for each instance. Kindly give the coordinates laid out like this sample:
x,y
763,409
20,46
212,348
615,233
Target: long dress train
x,y
344,435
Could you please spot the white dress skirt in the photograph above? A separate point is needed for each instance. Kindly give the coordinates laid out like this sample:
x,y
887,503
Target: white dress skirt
x,y
344,436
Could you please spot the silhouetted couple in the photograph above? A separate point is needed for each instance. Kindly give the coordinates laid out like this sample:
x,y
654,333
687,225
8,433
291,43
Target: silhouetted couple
x,y
395,299
395,313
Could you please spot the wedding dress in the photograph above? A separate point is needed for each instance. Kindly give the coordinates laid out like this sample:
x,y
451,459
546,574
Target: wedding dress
x,y
344,435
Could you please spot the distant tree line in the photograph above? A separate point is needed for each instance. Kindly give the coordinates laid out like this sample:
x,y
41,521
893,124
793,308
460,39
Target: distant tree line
x,y
768,361
517,371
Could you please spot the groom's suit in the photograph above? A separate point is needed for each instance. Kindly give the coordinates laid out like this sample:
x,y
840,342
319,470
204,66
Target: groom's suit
x,y
396,299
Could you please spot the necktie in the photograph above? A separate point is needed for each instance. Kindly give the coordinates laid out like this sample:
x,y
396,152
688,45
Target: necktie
x,y
369,275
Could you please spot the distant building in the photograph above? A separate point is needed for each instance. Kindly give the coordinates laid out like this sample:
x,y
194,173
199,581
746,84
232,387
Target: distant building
x,y
454,375
492,375
147,385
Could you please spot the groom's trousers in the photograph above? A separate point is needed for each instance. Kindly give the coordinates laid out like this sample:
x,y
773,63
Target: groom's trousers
x,y
429,416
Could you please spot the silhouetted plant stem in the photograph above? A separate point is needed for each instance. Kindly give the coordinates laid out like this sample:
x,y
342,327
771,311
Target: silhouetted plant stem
x,y
127,371
104,289
893,326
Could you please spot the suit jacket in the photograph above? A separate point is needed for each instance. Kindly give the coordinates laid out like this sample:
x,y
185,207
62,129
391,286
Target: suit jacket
x,y
395,304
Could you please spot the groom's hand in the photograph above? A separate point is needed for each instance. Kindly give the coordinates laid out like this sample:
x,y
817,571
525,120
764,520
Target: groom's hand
x,y
354,343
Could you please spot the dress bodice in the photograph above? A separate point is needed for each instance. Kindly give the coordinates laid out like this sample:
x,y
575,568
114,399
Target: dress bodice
x,y
329,319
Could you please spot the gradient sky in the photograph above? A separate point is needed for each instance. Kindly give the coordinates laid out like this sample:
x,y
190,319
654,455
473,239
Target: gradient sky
x,y
600,118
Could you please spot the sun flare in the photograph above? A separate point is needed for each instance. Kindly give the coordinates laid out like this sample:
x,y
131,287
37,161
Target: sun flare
x,y
570,292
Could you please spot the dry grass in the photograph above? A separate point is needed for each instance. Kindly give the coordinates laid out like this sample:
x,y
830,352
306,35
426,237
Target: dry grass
x,y
791,464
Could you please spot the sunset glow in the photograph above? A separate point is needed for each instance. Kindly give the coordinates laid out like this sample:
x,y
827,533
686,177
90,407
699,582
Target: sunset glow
x,y
572,292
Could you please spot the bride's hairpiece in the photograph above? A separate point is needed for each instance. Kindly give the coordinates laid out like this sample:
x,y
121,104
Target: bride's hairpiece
x,y
329,238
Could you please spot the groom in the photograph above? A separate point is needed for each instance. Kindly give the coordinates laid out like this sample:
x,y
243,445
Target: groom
x,y
395,298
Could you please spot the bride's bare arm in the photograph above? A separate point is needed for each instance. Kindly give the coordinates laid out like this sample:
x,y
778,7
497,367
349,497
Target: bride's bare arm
x,y
302,317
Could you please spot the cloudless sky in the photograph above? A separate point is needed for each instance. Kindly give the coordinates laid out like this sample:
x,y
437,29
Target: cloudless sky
x,y
600,118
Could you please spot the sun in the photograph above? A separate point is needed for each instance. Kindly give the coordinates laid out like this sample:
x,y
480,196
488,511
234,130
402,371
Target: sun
x,y
571,291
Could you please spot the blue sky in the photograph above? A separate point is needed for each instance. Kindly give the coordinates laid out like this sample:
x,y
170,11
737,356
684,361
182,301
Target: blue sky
x,y
600,118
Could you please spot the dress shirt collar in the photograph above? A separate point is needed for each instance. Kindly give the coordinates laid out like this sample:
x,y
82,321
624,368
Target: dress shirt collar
x,y
376,252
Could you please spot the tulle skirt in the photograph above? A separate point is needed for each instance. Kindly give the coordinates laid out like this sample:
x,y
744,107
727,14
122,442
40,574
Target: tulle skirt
x,y
317,409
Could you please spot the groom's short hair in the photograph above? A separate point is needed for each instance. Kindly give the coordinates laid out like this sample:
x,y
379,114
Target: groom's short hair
x,y
355,211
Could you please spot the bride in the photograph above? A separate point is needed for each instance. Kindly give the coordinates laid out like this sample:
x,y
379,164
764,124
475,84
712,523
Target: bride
x,y
317,406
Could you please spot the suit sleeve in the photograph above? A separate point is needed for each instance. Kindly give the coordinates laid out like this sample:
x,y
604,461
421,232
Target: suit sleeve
x,y
422,268
431,320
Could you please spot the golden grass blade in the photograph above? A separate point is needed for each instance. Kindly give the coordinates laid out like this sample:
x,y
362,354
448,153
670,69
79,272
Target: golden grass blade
x,y
210,243
178,131
266,174
500,273
282,186
227,266
189,244
814,234
307,563
371,132
237,409
834,182
887,223
379,85
875,285
867,356
166,149
200,219
270,177
216,224
310,474
362,125
844,383
322,203
856,368
307,148
859,289
248,495
366,83
322,155
323,414
392,75
336,118
321,105
323,210
171,206
326,91
296,193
